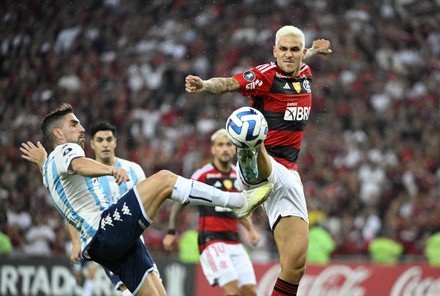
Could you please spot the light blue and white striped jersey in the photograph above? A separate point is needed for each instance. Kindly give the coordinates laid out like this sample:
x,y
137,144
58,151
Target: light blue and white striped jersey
x,y
135,175
80,200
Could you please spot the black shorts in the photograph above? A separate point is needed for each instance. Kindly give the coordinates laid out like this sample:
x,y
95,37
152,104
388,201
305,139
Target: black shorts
x,y
117,245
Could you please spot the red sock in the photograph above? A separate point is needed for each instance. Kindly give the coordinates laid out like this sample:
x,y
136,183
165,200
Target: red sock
x,y
283,288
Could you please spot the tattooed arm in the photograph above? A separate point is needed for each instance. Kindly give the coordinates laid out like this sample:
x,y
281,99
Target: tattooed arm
x,y
213,86
319,46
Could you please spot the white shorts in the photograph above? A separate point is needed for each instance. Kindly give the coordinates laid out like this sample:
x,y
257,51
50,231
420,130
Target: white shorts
x,y
287,198
223,263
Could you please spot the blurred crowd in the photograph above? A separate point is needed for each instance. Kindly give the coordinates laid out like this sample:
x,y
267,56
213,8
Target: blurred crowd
x,y
370,161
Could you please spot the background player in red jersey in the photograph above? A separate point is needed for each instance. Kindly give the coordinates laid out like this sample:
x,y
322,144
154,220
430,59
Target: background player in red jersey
x,y
224,259
282,92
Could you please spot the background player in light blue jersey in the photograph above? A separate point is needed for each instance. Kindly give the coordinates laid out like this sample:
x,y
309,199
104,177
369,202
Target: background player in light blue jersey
x,y
110,232
103,141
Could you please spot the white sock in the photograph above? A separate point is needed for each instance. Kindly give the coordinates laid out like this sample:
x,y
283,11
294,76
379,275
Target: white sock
x,y
126,293
88,287
198,193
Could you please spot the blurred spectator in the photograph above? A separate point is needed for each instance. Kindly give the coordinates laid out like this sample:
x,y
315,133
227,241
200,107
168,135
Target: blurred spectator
x,y
432,249
39,237
188,247
5,244
321,245
385,250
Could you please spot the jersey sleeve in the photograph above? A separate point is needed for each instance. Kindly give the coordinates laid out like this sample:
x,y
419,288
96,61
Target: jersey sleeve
x,y
138,171
256,81
69,152
199,176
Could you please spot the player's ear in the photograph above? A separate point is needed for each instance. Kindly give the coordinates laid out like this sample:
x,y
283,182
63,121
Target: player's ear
x,y
58,134
274,51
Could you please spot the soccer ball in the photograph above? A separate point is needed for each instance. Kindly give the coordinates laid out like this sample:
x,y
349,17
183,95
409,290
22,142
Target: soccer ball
x,y
246,127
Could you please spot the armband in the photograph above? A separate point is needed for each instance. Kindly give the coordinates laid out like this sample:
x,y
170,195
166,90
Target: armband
x,y
171,231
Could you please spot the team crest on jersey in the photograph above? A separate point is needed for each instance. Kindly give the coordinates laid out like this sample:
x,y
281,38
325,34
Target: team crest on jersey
x,y
227,184
297,86
67,151
306,85
249,76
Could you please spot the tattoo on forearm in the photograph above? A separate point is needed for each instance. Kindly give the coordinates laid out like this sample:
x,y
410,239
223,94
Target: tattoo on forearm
x,y
216,86
311,52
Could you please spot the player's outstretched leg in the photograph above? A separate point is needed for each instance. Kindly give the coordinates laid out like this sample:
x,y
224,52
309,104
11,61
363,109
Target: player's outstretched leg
x,y
166,185
253,198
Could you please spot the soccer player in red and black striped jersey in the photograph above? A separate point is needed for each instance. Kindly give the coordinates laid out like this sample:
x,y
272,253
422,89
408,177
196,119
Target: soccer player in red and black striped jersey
x,y
223,258
282,91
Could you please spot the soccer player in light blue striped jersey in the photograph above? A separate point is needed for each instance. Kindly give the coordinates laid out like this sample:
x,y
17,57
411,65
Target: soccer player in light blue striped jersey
x,y
110,232
103,142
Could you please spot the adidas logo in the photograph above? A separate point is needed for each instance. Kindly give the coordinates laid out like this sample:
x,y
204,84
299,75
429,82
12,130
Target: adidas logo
x,y
286,86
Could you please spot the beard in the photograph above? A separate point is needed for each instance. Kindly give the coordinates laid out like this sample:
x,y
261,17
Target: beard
x,y
81,142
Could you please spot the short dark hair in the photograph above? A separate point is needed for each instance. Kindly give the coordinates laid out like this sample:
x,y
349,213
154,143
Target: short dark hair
x,y
102,126
53,120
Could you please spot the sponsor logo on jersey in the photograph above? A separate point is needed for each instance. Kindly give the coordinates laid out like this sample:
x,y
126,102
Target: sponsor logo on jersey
x,y
126,209
286,86
249,76
297,113
297,86
254,84
282,76
213,175
106,221
117,215
306,85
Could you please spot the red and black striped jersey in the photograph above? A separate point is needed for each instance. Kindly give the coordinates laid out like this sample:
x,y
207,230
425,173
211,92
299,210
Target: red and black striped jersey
x,y
216,223
285,101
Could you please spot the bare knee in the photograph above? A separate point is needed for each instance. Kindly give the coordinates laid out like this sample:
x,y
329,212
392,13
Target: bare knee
x,y
248,290
166,178
162,181
293,265
231,289
155,190
292,272
292,237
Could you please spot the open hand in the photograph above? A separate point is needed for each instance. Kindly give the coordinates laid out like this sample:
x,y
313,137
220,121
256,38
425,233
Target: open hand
x,y
35,154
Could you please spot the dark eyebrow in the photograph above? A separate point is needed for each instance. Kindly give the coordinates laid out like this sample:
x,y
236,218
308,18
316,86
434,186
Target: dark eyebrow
x,y
293,48
105,138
